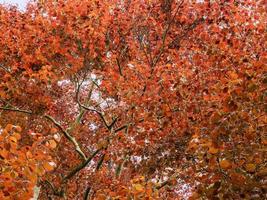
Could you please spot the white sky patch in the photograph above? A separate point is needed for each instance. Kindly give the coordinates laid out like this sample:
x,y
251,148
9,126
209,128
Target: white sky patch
x,y
130,65
92,126
136,159
32,133
20,3
109,54
95,78
52,164
63,82
56,137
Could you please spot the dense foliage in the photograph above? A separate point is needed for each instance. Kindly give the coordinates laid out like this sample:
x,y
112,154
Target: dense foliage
x,y
133,99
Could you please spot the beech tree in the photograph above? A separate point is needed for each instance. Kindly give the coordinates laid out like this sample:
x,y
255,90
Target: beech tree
x,y
133,99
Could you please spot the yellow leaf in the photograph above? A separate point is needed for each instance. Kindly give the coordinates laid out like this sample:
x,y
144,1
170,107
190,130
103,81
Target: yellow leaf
x,y
13,174
52,144
40,170
250,167
138,187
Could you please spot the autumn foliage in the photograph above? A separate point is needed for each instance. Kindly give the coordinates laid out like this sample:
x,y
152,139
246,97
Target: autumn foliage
x,y
134,99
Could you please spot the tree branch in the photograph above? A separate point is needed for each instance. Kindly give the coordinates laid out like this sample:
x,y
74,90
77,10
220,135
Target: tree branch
x,y
164,36
168,181
87,193
90,109
119,66
65,133
68,136
81,166
56,192
16,110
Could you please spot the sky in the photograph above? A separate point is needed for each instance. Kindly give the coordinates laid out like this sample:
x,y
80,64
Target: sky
x,y
21,3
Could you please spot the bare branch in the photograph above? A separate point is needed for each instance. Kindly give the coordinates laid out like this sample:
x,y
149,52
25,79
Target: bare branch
x,y
16,110
81,166
68,136
90,109
119,65
121,128
168,181
87,193
100,162
56,192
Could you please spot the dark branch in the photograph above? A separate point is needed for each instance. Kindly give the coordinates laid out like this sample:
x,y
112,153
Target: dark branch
x,y
87,193
164,36
81,166
119,65
100,162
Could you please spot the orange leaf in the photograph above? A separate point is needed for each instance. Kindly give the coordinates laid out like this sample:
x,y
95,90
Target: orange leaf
x,y
13,139
225,164
29,155
233,75
138,187
53,130
48,166
4,153
18,128
9,127
17,136
237,179
213,150
264,141
101,197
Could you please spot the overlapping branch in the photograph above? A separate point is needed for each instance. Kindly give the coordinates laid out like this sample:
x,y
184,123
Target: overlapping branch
x,y
82,165
68,136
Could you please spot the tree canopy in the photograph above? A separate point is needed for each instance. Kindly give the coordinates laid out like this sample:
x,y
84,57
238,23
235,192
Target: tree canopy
x,y
133,99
